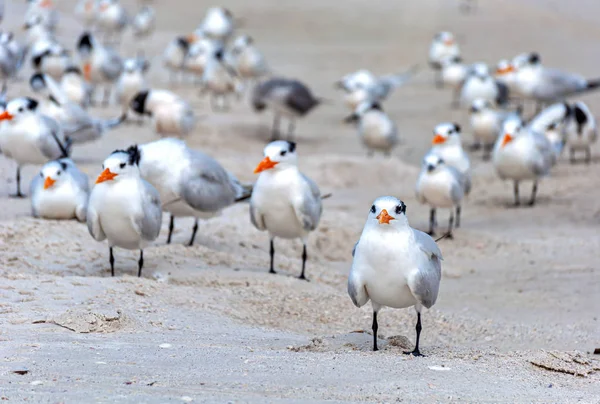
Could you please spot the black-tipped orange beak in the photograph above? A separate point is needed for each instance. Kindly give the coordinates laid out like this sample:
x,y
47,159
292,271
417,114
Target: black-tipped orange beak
x,y
5,116
384,217
265,164
106,175
48,182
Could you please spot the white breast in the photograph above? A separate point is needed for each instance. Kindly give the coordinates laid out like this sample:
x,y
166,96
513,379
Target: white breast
x,y
436,188
57,202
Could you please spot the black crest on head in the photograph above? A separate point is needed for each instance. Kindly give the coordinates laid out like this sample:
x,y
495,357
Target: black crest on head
x,y
135,154
73,69
534,57
63,165
85,42
376,106
31,104
568,109
183,42
401,208
37,81
37,60
138,103
291,146
456,127
219,54
581,118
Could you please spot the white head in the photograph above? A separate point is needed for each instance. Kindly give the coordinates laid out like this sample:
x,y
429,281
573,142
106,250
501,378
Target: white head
x,y
387,212
446,134
432,162
526,59
511,129
504,68
480,105
18,109
54,173
138,64
358,80
242,42
480,70
279,155
121,164
444,38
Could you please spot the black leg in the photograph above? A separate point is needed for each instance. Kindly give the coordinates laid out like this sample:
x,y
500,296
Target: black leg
x,y
304,256
18,194
450,225
588,155
438,78
571,156
291,128
194,230
533,193
111,259
487,152
476,146
275,131
171,227
375,327
272,252
140,263
458,211
431,222
516,192
416,351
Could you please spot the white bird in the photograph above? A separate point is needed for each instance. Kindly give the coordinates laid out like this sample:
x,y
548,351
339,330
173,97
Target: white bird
x,y
442,47
144,22
289,98
75,87
171,114
506,73
394,265
453,75
29,137
45,10
15,49
581,130
132,80
87,10
9,63
220,80
54,60
441,187
112,19
60,191
102,65
190,183
551,122
200,51
218,23
124,208
359,79
487,123
175,56
376,129
37,33
247,60
481,84
522,154
284,201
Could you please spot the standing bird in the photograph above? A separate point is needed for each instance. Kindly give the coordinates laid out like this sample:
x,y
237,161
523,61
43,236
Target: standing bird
x,y
53,61
132,80
220,80
29,137
581,130
442,47
190,183
60,191
486,124
75,87
45,10
454,73
394,265
441,187
102,65
144,22
447,145
87,11
480,84
175,55
522,154
112,20
284,201
218,24
171,115
375,128
247,60
124,208
289,98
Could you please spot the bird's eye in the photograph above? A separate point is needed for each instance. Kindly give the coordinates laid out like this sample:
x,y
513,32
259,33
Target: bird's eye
x,y
373,209
399,209
58,173
283,152
122,165
42,175
20,109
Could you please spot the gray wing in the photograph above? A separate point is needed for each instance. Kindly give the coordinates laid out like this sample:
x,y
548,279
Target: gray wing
x,y
309,207
300,98
149,223
256,218
424,282
503,93
93,223
34,190
207,186
113,67
392,81
463,180
80,178
558,83
51,143
545,157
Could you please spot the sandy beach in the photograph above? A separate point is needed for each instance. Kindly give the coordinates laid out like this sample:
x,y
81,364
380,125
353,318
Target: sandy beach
x,y
518,315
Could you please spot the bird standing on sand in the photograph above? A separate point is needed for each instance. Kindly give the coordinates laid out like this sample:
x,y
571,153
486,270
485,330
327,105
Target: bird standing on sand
x,y
479,83
29,137
394,265
190,183
123,208
376,129
247,59
284,201
289,98
75,87
60,191
442,47
132,80
171,115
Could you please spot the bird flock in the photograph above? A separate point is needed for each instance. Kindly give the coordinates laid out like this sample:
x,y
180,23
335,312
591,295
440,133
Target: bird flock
x,y
394,265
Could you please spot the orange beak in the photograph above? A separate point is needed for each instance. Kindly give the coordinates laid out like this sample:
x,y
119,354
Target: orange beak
x,y
192,38
48,182
106,175
438,139
265,164
87,72
507,138
505,70
46,4
384,217
449,42
5,116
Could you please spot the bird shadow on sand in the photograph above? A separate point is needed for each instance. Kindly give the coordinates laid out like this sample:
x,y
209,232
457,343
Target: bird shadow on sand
x,y
508,203
358,341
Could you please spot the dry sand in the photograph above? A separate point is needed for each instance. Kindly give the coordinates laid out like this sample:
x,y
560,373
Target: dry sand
x,y
520,286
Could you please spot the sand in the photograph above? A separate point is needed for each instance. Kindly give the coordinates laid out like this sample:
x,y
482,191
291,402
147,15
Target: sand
x,y
517,315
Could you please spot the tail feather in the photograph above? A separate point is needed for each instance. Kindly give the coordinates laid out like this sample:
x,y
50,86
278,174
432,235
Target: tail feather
x,y
326,196
592,84
245,193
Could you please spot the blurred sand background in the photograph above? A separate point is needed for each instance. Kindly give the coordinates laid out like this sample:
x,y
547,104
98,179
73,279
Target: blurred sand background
x,y
519,285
